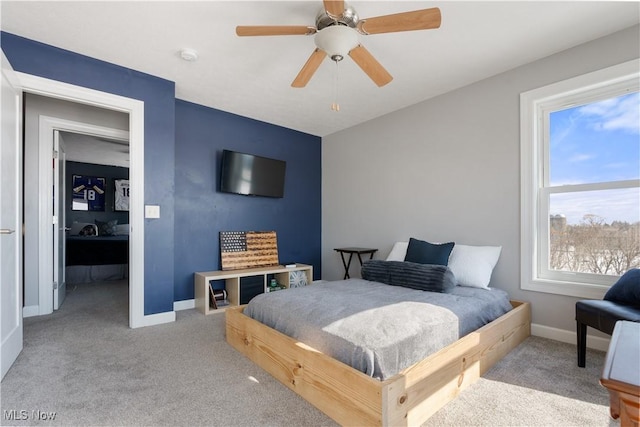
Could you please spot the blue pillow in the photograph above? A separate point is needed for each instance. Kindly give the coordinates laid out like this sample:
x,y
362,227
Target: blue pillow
x,y
428,253
423,277
107,228
627,289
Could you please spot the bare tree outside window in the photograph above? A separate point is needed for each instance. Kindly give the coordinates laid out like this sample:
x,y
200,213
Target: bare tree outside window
x,y
594,246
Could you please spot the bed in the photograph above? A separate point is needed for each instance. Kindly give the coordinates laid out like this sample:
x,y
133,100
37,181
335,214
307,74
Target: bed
x,y
370,394
93,257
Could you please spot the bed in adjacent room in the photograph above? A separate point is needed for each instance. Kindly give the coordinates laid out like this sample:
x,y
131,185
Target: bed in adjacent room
x,y
92,257
371,353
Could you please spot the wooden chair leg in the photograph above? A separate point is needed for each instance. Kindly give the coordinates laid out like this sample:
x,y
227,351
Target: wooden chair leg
x,y
582,344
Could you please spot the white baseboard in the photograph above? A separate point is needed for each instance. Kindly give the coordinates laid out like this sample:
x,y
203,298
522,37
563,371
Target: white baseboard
x,y
30,311
158,319
184,304
596,343
148,320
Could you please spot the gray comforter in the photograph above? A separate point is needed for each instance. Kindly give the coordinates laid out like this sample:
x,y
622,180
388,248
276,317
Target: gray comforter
x,y
376,328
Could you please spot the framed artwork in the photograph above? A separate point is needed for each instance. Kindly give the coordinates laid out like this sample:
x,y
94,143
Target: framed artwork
x,y
121,202
248,249
88,193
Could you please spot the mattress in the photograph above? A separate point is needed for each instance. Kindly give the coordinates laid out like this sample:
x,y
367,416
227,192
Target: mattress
x,y
97,250
376,328
76,274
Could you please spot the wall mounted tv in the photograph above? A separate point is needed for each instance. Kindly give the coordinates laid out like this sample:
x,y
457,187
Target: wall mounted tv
x,y
251,175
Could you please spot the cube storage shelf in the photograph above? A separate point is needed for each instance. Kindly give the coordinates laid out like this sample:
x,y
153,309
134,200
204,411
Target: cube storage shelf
x,y
232,282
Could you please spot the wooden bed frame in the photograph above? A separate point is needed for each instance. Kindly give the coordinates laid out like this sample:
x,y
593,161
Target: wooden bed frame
x,y
352,398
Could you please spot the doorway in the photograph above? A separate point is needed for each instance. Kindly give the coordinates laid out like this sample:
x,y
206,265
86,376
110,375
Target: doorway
x,y
94,220
46,124
135,113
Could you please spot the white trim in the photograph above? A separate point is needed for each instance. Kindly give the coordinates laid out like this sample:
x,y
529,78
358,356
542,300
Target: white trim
x,y
184,304
83,128
534,105
596,186
157,319
604,78
135,109
47,125
596,343
31,311
45,216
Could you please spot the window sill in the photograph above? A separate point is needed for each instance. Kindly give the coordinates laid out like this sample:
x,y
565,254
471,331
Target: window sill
x,y
571,289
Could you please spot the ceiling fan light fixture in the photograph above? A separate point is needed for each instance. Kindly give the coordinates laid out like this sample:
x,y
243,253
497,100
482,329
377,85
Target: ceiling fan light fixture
x,y
336,41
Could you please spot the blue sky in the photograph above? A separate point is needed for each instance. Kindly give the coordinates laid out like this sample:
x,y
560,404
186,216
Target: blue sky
x,y
597,142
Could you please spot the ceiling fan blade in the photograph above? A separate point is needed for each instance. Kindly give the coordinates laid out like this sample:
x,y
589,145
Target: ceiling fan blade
x,y
274,30
309,68
424,19
334,7
370,65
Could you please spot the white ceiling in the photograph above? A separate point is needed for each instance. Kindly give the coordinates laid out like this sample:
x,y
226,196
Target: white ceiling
x,y
251,76
90,149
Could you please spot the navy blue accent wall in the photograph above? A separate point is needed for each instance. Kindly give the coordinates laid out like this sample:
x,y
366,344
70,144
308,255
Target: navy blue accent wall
x,y
158,95
201,211
110,173
183,143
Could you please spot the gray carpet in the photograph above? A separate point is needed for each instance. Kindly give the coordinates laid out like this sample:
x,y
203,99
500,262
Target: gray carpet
x,y
537,384
87,366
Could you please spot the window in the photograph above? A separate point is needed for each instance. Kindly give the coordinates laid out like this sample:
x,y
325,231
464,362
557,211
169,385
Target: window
x,y
580,166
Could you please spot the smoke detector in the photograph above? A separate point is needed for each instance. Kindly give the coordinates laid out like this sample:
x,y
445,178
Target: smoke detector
x,y
190,55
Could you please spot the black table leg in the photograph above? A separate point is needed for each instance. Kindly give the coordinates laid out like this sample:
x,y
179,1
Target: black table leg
x,y
360,258
346,265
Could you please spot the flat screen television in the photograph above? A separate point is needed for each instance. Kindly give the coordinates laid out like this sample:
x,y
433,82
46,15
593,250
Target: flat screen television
x,y
242,173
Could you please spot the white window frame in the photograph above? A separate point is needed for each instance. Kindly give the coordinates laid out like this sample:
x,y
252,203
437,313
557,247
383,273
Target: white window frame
x,y
535,107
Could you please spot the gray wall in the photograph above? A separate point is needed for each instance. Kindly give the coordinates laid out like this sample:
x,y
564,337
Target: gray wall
x,y
448,169
35,106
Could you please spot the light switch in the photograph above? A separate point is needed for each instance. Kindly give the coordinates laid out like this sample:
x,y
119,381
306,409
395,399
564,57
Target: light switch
x,y
152,211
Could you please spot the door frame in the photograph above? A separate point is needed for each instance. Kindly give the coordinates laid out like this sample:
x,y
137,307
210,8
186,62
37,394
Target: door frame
x,y
46,126
59,232
135,109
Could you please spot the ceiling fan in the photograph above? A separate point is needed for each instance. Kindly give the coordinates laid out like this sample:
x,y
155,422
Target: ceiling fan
x,y
337,32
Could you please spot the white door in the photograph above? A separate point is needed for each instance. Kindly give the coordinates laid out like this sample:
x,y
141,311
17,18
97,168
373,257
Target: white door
x,y
10,220
59,169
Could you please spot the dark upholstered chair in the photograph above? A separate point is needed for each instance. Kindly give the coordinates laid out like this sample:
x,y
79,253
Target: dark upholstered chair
x,y
600,315
621,302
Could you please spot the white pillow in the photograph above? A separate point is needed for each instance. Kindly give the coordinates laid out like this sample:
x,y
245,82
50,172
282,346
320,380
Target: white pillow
x,y
473,265
398,252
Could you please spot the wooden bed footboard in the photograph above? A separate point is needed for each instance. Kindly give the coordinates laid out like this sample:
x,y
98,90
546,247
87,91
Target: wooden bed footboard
x,y
352,398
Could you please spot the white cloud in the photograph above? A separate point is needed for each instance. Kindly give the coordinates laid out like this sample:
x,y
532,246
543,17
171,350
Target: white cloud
x,y
581,158
612,205
621,113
